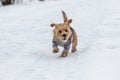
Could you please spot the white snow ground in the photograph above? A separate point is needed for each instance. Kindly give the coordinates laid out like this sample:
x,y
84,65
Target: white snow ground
x,y
25,41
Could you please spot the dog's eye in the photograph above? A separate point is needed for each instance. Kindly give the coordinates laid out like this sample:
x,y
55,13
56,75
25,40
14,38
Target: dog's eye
x,y
66,30
60,31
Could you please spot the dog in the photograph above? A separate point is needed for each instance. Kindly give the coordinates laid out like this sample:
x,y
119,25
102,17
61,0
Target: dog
x,y
63,36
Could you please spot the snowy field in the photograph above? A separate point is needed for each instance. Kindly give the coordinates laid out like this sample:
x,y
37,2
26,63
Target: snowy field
x,y
26,48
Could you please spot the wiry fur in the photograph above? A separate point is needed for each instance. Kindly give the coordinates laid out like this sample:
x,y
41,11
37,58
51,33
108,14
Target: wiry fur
x,y
64,29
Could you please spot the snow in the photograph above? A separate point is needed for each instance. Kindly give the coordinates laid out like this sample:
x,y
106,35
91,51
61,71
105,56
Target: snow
x,y
26,48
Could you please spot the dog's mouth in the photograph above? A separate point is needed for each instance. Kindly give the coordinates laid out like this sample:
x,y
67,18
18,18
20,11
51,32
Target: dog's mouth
x,y
64,39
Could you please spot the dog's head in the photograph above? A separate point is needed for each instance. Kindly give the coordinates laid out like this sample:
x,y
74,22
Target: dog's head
x,y
62,31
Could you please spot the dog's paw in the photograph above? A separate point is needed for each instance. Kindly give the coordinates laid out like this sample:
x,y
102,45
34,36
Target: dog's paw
x,y
55,50
64,54
74,50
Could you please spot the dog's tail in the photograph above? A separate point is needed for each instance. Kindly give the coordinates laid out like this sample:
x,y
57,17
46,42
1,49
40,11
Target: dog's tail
x,y
64,16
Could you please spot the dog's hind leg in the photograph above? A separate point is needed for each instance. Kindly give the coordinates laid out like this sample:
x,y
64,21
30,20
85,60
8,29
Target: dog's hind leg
x,y
74,42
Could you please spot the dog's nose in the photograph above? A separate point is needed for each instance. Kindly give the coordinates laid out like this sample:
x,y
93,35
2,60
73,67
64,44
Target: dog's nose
x,y
64,35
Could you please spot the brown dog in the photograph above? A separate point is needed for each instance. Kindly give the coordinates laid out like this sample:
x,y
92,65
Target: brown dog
x,y
64,35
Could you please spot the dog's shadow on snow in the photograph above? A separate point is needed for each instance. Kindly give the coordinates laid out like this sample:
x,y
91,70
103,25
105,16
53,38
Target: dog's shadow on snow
x,y
49,56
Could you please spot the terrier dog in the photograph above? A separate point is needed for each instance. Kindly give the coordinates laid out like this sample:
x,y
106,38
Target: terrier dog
x,y
64,35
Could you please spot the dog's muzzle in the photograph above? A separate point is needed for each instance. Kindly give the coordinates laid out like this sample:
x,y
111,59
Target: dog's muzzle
x,y
64,36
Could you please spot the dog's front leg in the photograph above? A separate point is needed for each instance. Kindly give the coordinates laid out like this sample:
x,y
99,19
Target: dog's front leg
x,y
65,51
64,54
55,47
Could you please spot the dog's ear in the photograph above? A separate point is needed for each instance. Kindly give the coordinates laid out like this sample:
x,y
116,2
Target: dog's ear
x,y
69,21
64,16
53,25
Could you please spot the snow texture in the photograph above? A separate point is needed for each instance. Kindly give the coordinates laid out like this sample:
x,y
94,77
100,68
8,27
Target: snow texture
x,y
26,48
